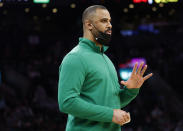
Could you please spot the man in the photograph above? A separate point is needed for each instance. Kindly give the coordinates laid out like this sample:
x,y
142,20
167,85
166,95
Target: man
x,y
88,88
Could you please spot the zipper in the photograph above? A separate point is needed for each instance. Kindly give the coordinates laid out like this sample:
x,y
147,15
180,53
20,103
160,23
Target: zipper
x,y
116,92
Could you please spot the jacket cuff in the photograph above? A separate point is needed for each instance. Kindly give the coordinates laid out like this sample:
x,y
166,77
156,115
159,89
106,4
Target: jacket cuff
x,y
110,115
132,92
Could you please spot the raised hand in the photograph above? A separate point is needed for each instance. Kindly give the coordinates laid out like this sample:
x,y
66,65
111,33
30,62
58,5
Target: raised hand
x,y
136,79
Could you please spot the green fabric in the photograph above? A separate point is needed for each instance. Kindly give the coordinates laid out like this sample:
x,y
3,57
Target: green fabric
x,y
88,89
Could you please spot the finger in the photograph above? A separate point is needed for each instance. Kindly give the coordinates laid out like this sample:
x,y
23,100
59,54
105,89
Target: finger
x,y
129,114
140,67
148,76
134,68
122,122
143,70
125,120
124,83
126,116
129,117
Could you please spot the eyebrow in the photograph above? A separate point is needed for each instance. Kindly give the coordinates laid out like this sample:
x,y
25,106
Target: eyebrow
x,y
105,19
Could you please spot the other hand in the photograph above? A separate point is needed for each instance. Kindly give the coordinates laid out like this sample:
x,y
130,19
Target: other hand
x,y
136,79
120,117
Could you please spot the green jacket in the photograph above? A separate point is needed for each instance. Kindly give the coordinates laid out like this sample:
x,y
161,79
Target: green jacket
x,y
88,89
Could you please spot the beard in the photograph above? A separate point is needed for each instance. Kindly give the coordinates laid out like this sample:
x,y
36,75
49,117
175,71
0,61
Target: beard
x,y
102,37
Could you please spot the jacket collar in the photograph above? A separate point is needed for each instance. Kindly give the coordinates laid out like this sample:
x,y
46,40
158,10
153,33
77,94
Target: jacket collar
x,y
92,45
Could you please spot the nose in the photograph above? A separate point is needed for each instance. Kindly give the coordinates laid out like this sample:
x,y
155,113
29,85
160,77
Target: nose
x,y
109,25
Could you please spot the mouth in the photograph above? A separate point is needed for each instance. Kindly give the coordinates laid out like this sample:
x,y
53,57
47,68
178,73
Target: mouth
x,y
109,32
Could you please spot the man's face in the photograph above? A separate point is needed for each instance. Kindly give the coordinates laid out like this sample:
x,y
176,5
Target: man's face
x,y
102,21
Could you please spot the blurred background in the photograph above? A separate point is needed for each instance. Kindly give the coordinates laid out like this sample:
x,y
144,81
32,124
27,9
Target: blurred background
x,y
35,35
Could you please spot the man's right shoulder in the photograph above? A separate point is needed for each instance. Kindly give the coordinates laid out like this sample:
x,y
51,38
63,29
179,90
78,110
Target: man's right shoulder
x,y
76,51
73,60
74,54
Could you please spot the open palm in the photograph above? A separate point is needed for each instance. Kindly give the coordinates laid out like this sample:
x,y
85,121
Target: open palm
x,y
136,79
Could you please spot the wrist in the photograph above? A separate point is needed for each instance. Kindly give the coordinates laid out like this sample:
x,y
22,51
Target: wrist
x,y
132,91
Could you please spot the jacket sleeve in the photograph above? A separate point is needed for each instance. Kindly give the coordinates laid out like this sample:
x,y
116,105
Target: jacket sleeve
x,y
127,95
72,74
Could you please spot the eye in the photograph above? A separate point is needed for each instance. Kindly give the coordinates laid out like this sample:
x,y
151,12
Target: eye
x,y
104,20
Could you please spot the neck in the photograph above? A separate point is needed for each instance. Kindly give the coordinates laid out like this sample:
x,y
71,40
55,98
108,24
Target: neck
x,y
90,37
97,44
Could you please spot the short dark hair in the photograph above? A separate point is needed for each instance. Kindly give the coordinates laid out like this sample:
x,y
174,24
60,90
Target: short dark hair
x,y
91,9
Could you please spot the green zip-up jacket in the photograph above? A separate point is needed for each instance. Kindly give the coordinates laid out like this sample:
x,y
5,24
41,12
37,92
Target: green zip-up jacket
x,y
88,89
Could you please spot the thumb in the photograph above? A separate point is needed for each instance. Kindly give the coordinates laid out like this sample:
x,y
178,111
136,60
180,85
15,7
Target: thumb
x,y
123,83
129,119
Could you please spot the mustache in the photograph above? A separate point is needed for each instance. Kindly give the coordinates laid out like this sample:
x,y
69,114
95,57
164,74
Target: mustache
x,y
109,29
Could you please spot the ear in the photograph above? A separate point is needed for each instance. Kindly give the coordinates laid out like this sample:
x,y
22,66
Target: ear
x,y
88,25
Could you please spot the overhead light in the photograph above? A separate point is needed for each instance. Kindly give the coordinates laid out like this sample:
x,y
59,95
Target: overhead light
x,y
165,1
27,10
125,10
150,1
157,1
54,10
131,6
73,5
154,9
161,5
44,5
1,4
41,1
